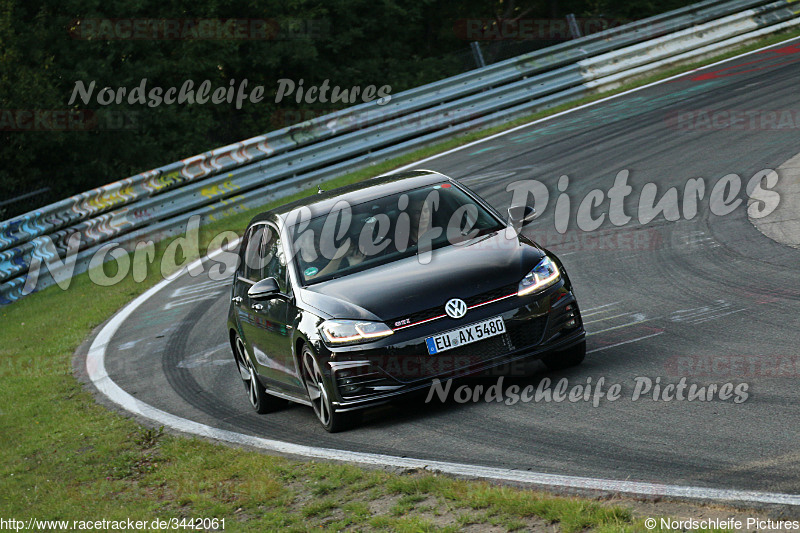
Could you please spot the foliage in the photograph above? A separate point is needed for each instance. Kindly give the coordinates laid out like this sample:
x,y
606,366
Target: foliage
x,y
402,43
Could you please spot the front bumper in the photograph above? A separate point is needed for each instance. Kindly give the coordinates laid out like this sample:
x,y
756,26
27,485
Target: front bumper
x,y
536,326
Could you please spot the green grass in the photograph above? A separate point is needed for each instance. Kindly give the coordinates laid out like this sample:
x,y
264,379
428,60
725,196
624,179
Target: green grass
x,y
65,456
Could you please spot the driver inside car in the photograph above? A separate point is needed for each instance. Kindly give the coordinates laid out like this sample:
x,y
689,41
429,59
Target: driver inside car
x,y
420,222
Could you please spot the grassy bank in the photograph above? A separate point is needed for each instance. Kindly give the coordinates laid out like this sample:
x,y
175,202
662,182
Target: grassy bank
x,y
64,456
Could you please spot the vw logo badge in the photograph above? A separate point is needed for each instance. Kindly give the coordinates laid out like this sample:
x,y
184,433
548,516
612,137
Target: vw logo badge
x,y
455,308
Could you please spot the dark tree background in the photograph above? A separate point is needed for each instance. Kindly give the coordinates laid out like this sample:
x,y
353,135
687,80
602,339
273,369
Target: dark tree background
x,y
402,43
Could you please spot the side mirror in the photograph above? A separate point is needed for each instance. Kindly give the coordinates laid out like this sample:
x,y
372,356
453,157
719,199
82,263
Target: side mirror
x,y
520,215
264,289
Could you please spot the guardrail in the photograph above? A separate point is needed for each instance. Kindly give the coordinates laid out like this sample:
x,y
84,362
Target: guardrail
x,y
158,203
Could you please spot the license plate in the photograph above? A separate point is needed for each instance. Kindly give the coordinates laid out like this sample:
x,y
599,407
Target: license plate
x,y
466,335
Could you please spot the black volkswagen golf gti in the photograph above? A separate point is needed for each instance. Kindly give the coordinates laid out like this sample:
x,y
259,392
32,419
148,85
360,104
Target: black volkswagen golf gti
x,y
353,297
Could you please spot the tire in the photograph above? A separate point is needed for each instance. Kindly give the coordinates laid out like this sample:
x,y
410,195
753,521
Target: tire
x,y
260,401
320,395
568,358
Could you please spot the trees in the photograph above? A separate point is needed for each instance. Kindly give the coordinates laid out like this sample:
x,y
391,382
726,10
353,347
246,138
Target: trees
x,y
48,45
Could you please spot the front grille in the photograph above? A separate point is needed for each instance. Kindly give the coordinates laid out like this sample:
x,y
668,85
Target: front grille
x,y
432,312
527,333
405,365
481,350
490,295
443,363
355,382
419,316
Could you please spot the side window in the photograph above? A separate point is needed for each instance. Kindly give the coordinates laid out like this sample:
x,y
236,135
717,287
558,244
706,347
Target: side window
x,y
254,259
276,259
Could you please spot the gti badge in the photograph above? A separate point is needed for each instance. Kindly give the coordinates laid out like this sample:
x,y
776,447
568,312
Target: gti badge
x,y
455,308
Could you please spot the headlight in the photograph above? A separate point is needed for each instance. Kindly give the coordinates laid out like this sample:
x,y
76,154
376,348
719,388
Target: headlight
x,y
543,275
342,332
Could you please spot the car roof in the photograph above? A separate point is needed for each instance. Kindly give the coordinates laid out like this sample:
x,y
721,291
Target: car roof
x,y
356,193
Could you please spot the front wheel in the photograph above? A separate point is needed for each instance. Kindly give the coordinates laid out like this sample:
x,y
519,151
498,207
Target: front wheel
x,y
570,357
320,395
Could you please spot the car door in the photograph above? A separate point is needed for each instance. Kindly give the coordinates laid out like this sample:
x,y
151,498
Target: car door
x,y
271,336
248,273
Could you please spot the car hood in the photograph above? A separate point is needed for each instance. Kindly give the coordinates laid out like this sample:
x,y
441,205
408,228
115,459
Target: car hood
x,y
407,286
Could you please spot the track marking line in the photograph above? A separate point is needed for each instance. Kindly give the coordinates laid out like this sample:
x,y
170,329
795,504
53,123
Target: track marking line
x,y
698,315
636,322
624,342
714,317
606,318
586,312
202,288
204,358
172,304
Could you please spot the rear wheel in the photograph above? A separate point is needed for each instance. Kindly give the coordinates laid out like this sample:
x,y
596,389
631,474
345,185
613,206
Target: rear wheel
x,y
259,399
320,395
570,357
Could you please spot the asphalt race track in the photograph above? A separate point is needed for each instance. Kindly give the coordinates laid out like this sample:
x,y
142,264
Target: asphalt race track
x,y
710,299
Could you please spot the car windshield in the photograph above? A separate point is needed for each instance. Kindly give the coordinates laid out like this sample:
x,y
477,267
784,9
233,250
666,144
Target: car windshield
x,y
356,237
